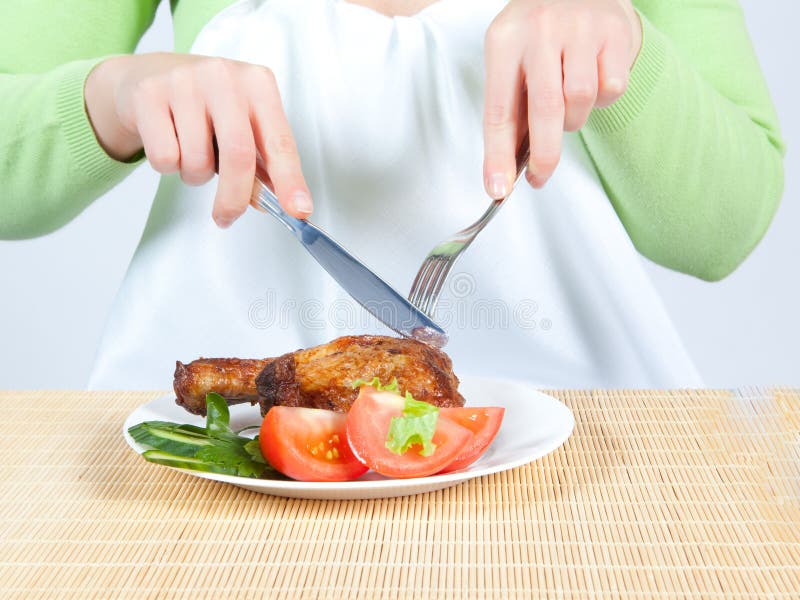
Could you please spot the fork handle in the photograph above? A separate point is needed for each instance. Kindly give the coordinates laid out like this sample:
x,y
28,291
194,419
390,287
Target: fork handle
x,y
523,156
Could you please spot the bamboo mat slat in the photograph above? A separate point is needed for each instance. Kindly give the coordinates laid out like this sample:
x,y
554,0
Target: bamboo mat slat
x,y
656,495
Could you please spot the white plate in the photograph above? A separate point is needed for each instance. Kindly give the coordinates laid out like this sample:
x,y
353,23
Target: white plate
x,y
534,425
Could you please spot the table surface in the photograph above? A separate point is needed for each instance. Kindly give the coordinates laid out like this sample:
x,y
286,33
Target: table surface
x,y
656,494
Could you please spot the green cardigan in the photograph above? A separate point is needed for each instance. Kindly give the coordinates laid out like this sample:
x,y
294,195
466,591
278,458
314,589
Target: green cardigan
x,y
690,157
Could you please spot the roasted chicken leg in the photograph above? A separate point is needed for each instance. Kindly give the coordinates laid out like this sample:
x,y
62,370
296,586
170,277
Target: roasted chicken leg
x,y
321,377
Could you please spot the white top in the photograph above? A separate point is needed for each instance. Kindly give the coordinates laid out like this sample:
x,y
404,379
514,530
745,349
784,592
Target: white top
x,y
387,115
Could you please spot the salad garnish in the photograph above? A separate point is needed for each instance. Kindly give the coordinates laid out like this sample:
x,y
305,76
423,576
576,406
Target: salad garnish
x,y
215,448
392,386
415,427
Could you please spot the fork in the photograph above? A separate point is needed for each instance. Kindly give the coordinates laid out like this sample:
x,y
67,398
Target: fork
x,y
428,283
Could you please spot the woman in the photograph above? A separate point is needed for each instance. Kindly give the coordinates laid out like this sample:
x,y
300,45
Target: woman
x,y
393,107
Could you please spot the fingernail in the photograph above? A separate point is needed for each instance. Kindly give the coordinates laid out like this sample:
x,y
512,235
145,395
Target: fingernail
x,y
222,222
615,86
302,203
533,179
529,176
498,185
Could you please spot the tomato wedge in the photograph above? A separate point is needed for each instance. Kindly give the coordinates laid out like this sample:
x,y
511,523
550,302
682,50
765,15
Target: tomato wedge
x,y
368,425
483,422
308,444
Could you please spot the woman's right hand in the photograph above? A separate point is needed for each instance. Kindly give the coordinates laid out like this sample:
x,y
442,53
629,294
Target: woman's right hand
x,y
174,105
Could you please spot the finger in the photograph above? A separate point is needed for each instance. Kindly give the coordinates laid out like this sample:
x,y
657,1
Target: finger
x,y
501,111
543,72
613,72
275,142
154,122
580,85
237,153
193,128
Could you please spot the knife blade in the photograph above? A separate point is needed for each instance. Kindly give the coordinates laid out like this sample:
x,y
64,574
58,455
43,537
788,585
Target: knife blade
x,y
375,295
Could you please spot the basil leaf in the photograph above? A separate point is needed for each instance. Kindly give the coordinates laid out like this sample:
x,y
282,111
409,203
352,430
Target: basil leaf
x,y
214,449
218,417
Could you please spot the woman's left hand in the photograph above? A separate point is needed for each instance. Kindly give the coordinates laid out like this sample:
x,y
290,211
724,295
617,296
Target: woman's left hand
x,y
548,64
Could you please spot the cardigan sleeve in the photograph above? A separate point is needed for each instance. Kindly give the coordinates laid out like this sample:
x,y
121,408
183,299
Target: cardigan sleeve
x,y
51,164
691,156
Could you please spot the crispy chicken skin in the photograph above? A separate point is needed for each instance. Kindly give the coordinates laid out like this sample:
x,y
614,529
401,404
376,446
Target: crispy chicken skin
x,y
323,376
233,378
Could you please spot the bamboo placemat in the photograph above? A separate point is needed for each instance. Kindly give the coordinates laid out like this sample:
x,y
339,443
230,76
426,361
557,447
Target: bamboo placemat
x,y
656,494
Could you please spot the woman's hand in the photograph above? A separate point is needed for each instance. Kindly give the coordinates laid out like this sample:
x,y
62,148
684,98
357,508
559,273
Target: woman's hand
x,y
174,105
548,63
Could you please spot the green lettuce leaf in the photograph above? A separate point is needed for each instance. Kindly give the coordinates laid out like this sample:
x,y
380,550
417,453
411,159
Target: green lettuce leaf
x,y
415,427
392,386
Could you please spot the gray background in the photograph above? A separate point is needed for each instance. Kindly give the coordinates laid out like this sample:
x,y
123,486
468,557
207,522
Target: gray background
x,y
742,331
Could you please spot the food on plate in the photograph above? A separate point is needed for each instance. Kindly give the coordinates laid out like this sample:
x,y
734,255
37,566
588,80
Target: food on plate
x,y
399,436
395,435
326,415
308,444
484,423
232,378
322,376
215,448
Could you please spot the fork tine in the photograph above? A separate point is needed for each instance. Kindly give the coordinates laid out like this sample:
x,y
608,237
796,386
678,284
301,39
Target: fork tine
x,y
425,301
433,298
435,285
417,277
425,273
415,287
420,282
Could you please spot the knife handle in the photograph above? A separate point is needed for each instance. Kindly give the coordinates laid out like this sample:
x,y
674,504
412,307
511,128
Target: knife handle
x,y
265,200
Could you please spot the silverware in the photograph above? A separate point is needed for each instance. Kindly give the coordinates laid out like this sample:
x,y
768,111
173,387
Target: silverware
x,y
428,283
370,291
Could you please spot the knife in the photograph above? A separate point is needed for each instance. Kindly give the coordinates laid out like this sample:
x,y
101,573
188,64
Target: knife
x,y
376,296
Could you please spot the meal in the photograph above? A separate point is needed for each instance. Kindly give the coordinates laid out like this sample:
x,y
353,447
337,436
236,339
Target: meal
x,y
331,413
